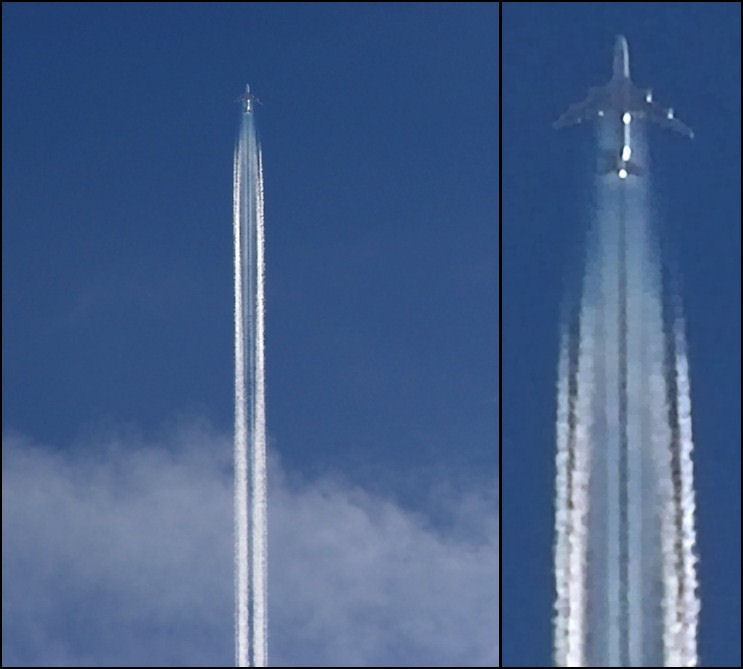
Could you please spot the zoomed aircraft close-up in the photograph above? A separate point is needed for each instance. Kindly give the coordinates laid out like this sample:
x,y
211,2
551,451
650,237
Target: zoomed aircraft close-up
x,y
620,96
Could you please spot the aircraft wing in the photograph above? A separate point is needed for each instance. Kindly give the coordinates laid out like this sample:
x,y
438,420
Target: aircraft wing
x,y
656,113
665,118
596,102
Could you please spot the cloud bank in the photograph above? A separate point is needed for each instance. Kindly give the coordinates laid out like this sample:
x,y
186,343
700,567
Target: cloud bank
x,y
119,552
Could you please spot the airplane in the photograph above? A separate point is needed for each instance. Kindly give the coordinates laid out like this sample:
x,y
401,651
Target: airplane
x,y
622,96
620,163
248,99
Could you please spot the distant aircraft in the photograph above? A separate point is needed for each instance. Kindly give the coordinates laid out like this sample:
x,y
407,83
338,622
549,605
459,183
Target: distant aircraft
x,y
621,95
248,99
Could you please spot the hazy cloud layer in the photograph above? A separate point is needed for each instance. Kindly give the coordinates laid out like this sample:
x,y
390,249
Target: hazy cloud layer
x,y
120,552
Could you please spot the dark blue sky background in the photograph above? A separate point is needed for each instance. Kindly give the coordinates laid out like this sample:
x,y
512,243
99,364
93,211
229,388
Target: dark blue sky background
x,y
551,54
379,130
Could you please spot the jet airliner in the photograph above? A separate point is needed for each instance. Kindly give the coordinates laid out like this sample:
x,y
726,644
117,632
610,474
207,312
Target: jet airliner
x,y
621,95
248,99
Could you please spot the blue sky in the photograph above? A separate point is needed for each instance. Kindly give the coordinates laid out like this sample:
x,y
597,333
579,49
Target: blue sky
x,y
379,130
690,54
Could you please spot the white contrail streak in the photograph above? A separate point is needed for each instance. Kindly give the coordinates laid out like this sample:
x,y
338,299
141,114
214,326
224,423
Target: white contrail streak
x,y
625,563
661,446
580,502
241,439
259,501
562,502
574,425
689,603
251,537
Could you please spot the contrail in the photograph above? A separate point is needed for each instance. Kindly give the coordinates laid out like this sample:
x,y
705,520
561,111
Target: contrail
x,y
580,460
563,468
251,623
259,500
625,566
688,603
241,441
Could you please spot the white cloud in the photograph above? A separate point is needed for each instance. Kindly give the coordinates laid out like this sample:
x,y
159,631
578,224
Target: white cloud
x,y
120,553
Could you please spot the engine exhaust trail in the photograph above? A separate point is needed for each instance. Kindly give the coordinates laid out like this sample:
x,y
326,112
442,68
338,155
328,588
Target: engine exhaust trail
x,y
250,494
688,600
563,466
625,568
241,440
259,499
